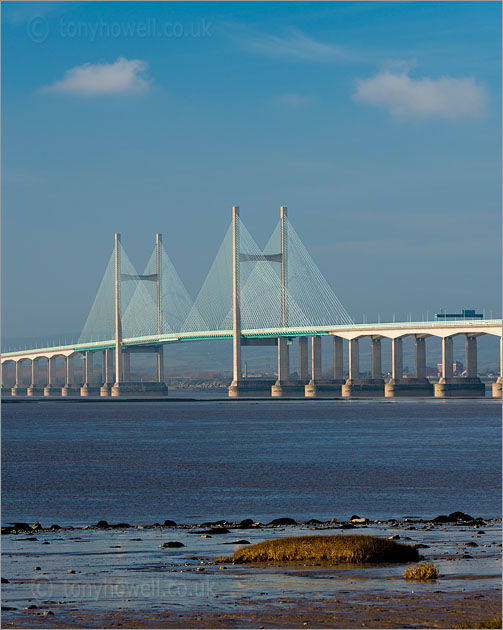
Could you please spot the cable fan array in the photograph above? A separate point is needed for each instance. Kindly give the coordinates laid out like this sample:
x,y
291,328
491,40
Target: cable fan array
x,y
156,302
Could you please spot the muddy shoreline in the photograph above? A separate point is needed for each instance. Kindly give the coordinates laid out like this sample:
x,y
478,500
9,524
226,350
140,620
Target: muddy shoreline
x,y
131,577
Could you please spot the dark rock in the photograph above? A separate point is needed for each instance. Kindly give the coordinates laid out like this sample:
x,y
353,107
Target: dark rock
x,y
471,544
314,521
31,607
102,524
5,581
37,569
466,556
55,526
285,520
394,537
443,518
246,523
347,526
173,543
46,542
21,527
47,613
421,546
215,530
168,523
7,530
237,542
135,539
6,608
71,571
29,538
460,516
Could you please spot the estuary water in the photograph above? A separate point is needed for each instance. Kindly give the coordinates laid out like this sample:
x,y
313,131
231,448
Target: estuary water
x,y
74,463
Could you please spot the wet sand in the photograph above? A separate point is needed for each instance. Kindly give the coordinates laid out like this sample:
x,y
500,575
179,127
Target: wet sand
x,y
107,578
394,610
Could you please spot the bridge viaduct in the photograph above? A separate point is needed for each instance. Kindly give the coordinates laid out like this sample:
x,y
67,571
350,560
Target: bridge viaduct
x,y
114,379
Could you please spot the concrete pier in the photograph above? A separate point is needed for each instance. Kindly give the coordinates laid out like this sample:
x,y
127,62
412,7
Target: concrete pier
x,y
108,380
325,388
90,388
19,389
251,388
35,389
69,388
364,387
51,389
144,389
450,386
398,386
284,386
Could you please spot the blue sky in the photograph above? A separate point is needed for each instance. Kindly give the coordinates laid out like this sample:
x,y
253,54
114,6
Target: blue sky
x,y
378,124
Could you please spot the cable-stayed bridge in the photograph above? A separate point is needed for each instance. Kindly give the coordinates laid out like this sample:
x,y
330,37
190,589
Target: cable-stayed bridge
x,y
255,296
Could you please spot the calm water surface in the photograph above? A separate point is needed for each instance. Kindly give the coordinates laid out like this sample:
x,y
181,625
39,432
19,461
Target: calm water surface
x,y
75,463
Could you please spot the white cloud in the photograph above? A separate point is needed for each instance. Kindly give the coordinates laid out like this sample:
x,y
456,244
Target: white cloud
x,y
445,97
295,46
293,100
121,76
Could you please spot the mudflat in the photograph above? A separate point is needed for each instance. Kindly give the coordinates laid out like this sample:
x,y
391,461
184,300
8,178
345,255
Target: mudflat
x,y
173,577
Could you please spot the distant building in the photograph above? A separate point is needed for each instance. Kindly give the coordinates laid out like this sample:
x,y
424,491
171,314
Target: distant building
x,y
457,368
466,313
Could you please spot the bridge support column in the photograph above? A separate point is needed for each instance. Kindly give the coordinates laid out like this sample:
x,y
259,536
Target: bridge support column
x,y
303,360
89,388
160,364
317,386
235,386
69,388
51,389
338,360
284,386
108,381
417,386
19,389
464,387
365,387
34,389
497,386
6,391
